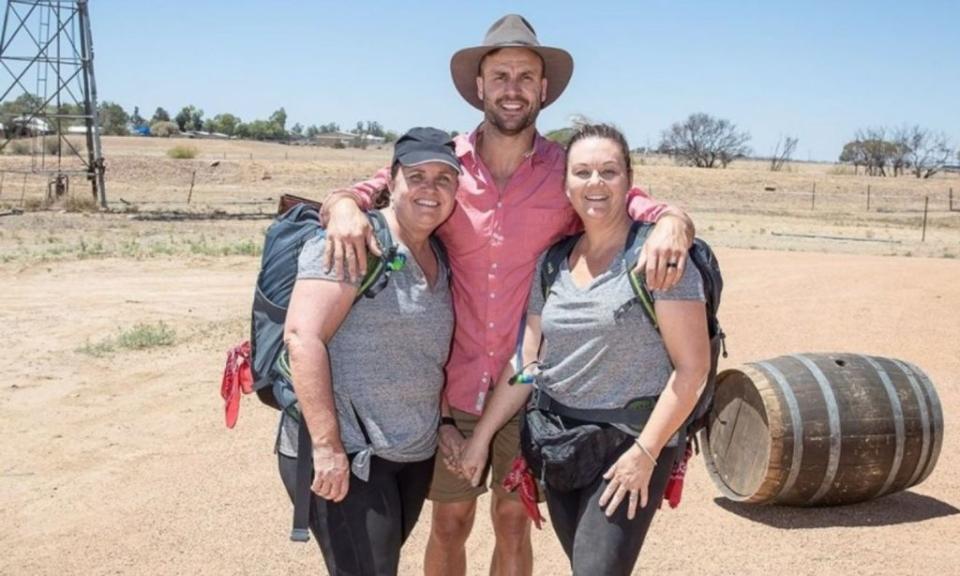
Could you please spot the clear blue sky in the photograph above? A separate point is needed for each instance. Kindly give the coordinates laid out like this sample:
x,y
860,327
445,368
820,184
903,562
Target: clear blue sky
x,y
814,69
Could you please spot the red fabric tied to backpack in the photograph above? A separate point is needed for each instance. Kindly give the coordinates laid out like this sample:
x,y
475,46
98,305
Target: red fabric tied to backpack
x,y
521,477
237,380
675,484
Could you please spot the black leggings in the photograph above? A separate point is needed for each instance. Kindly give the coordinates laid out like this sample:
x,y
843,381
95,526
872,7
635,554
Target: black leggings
x,y
363,533
594,543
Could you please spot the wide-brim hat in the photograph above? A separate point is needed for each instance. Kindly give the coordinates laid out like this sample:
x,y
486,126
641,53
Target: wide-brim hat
x,y
511,31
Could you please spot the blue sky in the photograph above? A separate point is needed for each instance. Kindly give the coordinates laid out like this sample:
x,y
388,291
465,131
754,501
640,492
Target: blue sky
x,y
817,70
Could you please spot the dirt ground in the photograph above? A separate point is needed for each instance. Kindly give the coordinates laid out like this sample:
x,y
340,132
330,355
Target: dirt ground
x,y
117,461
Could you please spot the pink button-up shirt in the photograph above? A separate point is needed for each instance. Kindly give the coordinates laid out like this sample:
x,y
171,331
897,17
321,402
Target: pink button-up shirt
x,y
494,238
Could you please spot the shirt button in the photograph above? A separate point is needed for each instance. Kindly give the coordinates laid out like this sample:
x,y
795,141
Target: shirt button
x,y
490,353
493,295
490,325
493,266
499,204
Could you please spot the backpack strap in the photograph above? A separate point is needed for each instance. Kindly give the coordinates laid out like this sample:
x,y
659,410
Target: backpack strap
x,y
302,493
631,253
379,269
554,259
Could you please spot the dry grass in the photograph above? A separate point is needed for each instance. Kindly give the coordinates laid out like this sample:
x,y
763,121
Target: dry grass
x,y
744,205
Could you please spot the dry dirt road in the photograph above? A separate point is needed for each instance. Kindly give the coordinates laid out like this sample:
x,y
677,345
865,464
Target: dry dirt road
x,y
120,464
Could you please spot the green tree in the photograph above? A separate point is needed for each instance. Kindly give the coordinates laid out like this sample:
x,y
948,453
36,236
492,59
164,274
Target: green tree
x,y
312,130
189,118
224,123
25,103
561,136
373,129
113,119
297,129
279,117
160,115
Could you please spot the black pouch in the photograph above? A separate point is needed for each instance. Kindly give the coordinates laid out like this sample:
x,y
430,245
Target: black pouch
x,y
564,453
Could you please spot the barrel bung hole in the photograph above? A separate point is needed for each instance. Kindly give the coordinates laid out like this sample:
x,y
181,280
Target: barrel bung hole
x,y
840,363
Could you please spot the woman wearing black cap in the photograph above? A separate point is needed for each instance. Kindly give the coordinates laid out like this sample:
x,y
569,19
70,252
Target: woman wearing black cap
x,y
368,375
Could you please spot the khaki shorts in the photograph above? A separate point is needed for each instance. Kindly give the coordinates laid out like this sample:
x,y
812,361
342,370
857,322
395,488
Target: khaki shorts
x,y
450,487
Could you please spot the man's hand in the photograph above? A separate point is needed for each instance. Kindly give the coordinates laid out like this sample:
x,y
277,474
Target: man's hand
x,y
664,254
451,447
349,236
473,460
331,471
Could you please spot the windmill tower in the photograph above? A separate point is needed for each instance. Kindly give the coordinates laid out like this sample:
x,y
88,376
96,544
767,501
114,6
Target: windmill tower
x,y
48,91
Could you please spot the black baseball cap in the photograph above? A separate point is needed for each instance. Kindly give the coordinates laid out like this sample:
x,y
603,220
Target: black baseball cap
x,y
421,145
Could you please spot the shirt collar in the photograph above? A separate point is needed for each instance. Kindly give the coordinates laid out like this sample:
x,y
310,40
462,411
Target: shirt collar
x,y
466,146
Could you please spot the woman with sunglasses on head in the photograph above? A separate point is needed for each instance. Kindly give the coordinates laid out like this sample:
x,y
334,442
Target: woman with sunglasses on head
x,y
368,375
594,347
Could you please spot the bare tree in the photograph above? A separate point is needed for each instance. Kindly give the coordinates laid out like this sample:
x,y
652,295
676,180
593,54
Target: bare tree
x,y
853,153
703,141
782,153
877,150
929,151
900,151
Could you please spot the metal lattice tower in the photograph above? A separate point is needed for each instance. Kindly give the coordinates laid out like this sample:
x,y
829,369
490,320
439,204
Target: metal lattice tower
x,y
47,90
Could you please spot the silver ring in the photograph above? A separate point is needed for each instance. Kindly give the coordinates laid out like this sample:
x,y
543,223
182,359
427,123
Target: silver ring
x,y
672,264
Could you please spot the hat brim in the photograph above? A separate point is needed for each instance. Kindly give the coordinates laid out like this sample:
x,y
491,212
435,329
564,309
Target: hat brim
x,y
465,67
420,157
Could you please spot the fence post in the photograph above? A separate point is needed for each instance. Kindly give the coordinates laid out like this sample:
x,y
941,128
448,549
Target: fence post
x,y
951,195
23,191
193,178
926,202
3,174
868,197
813,197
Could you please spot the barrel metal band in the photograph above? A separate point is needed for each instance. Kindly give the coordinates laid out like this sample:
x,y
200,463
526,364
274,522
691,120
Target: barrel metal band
x,y
796,424
924,421
833,417
897,422
936,421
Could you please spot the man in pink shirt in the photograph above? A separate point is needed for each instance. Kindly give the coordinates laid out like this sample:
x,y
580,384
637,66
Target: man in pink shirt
x,y
510,207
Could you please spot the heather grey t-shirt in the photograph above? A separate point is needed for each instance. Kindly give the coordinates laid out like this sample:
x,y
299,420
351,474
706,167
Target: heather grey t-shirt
x,y
596,355
386,364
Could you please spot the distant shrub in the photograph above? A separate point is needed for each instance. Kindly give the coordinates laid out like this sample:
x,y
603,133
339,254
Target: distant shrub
x,y
19,147
52,145
81,203
339,145
164,129
34,204
181,152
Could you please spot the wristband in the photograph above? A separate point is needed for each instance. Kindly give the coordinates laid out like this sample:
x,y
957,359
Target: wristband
x,y
447,421
645,451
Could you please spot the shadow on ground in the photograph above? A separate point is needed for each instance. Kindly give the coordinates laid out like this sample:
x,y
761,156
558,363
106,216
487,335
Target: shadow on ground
x,y
900,508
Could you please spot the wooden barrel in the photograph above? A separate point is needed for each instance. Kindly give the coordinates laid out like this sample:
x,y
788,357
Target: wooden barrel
x,y
822,429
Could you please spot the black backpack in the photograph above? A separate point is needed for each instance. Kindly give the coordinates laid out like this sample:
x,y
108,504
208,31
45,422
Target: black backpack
x,y
706,262
278,273
269,363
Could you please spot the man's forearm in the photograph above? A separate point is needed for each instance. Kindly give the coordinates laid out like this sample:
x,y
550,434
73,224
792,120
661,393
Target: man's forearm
x,y
674,212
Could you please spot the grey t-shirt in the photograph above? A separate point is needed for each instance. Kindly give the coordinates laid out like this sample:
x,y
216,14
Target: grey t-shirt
x,y
386,363
597,355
